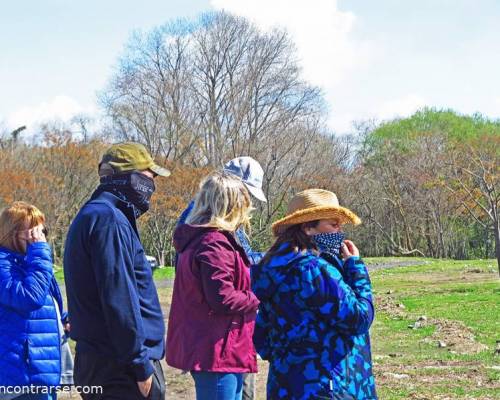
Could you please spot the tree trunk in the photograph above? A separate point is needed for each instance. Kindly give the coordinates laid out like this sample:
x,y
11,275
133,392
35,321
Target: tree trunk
x,y
496,226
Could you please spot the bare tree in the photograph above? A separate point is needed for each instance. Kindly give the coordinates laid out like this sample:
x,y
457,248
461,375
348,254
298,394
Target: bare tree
x,y
474,178
149,98
201,93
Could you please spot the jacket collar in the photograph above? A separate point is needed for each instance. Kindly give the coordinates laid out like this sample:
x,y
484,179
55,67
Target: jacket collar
x,y
114,201
288,257
12,252
232,239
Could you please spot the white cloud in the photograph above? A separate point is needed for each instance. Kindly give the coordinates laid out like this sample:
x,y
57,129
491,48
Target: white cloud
x,y
342,122
491,108
401,107
320,31
58,108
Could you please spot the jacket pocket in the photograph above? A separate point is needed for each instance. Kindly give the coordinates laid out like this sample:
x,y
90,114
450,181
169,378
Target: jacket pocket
x,y
232,329
225,342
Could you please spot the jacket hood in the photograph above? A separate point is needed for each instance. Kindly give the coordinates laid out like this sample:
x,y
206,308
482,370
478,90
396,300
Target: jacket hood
x,y
267,277
185,234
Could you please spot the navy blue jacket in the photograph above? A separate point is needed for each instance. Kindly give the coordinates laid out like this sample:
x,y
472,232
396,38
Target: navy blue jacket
x,y
112,300
30,340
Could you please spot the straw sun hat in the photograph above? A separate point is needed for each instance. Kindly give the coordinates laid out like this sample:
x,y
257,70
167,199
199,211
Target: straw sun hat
x,y
312,205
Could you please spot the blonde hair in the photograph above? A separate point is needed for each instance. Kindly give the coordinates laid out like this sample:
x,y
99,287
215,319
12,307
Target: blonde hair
x,y
14,219
223,202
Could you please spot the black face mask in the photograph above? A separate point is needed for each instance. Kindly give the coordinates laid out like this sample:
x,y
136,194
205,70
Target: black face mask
x,y
133,187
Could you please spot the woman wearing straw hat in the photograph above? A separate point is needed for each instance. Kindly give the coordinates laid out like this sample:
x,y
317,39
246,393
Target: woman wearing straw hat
x,y
316,305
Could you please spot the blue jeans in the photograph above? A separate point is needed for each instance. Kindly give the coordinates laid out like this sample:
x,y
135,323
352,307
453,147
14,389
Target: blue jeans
x,y
218,385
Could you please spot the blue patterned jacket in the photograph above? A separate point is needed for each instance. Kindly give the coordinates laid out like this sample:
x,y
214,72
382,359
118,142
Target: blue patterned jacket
x,y
30,340
312,326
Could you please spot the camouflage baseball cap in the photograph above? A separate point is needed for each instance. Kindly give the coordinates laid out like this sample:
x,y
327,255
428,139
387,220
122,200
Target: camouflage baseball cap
x,y
130,156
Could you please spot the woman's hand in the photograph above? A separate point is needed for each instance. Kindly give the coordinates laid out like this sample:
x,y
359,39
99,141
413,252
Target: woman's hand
x,y
36,235
349,249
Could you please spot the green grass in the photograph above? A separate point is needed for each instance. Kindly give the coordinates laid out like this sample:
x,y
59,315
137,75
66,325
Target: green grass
x,y
474,304
165,272
464,295
393,259
59,273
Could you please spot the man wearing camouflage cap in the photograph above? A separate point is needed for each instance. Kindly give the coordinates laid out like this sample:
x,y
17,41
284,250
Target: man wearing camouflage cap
x,y
115,314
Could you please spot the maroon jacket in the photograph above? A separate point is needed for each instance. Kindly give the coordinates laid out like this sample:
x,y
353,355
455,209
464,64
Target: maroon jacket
x,y
213,309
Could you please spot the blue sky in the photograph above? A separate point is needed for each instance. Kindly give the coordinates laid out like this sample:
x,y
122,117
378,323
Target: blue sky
x,y
373,59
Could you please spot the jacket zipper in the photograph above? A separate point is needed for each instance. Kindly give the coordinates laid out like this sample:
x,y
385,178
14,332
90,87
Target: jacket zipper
x,y
347,372
59,336
26,352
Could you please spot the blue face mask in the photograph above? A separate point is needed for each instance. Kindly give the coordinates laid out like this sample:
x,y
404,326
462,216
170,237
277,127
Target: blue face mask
x,y
329,242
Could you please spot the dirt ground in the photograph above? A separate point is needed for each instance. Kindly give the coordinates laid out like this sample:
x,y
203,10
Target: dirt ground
x,y
395,376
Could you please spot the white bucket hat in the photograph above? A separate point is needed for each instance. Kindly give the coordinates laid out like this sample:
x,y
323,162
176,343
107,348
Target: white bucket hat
x,y
251,174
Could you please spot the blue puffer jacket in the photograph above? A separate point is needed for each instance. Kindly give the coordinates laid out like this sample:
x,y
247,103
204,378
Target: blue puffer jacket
x,y
29,338
312,326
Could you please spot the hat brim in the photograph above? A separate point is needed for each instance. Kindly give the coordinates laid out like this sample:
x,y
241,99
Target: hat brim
x,y
342,214
256,192
160,170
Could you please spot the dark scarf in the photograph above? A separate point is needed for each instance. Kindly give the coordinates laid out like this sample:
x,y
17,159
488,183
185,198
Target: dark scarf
x,y
132,187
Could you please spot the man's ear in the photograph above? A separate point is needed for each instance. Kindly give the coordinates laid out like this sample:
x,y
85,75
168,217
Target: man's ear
x,y
105,170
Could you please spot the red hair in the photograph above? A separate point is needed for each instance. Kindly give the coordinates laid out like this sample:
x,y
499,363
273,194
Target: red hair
x,y
16,218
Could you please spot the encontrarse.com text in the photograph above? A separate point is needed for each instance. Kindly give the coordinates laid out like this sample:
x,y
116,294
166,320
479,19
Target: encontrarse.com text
x,y
46,390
